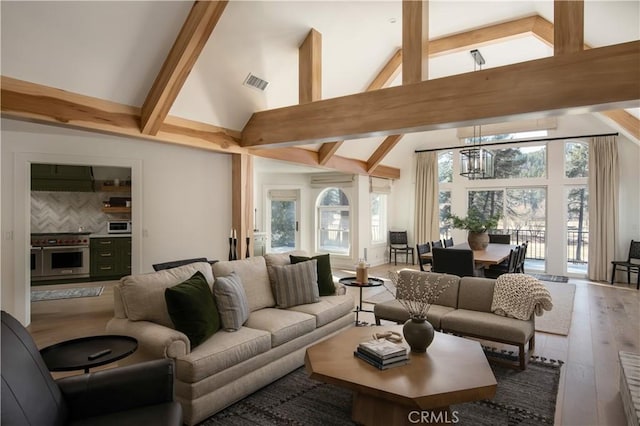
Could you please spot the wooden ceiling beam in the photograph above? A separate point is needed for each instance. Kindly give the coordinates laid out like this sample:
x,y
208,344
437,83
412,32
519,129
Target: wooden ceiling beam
x,y
34,102
385,148
310,158
310,68
548,86
412,36
186,49
568,34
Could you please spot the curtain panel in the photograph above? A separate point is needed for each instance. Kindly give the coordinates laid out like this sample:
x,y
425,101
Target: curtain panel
x,y
427,214
603,206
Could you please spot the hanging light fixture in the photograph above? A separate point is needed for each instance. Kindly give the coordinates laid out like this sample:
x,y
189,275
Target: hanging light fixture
x,y
476,162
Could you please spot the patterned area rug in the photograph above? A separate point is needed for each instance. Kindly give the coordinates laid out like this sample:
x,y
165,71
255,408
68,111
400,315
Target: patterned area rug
x,y
67,293
522,398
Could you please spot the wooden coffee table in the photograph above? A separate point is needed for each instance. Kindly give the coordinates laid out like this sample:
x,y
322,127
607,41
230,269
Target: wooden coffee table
x,y
452,371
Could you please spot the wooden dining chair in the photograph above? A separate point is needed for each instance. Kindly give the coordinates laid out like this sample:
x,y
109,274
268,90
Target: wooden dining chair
x,y
423,249
632,264
398,243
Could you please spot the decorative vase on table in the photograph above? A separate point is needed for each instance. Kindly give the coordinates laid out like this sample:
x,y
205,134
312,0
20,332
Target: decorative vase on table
x,y
418,332
478,240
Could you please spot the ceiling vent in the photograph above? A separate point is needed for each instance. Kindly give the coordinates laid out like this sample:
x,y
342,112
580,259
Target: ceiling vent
x,y
255,82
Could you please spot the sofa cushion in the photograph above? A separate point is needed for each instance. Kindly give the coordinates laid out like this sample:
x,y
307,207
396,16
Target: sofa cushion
x,y
143,294
254,277
192,308
488,325
296,284
394,311
274,259
326,287
232,301
409,278
328,309
282,324
221,351
476,294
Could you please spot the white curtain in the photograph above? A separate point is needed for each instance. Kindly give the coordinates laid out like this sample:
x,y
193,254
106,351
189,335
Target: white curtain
x,y
603,205
427,215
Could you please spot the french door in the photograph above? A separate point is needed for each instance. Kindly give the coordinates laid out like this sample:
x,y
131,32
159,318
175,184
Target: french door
x,y
284,211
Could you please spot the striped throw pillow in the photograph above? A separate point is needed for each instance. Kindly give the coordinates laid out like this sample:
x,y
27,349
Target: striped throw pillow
x,y
232,301
296,284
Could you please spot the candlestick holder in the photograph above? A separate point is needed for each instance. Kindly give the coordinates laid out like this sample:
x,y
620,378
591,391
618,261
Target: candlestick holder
x,y
235,249
247,255
230,248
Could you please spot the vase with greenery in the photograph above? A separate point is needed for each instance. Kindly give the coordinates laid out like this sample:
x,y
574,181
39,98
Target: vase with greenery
x,y
477,224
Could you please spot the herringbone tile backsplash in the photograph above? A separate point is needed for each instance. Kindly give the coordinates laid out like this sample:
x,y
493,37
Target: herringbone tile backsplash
x,y
67,211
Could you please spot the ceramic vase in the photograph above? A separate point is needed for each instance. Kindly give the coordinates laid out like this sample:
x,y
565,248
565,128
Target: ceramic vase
x,y
478,240
418,332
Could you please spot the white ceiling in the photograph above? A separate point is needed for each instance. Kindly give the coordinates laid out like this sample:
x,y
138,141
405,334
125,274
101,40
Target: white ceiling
x,y
114,49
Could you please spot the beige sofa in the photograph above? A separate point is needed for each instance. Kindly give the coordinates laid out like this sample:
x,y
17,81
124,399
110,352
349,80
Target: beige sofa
x,y
229,365
464,308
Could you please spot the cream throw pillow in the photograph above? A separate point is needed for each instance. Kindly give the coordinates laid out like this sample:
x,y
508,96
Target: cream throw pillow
x,y
296,284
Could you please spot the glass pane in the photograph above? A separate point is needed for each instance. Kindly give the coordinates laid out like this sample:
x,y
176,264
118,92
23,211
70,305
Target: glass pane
x,y
576,159
487,203
444,204
526,220
577,229
283,226
520,162
445,166
334,197
378,218
334,230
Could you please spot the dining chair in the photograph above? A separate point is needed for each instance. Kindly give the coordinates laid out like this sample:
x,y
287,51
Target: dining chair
x,y
448,242
436,244
506,267
500,238
456,262
522,256
632,264
423,249
398,243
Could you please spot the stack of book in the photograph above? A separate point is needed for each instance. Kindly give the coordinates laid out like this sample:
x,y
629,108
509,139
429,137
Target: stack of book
x,y
382,353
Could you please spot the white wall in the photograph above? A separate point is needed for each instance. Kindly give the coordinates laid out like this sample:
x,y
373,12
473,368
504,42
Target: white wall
x,y
181,198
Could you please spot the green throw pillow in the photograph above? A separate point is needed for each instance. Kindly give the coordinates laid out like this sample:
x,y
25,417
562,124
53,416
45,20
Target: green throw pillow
x,y
192,309
326,286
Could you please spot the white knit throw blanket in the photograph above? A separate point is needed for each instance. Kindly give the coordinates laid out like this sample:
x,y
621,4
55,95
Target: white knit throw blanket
x,y
519,296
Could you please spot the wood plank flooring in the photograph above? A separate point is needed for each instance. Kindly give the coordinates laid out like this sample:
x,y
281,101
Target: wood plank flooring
x,y
606,319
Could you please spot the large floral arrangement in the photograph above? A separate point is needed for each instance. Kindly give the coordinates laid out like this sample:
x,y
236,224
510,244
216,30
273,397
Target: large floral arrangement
x,y
417,293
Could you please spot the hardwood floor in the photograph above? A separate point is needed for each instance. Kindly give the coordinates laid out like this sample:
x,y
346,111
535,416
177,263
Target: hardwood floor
x,y
606,319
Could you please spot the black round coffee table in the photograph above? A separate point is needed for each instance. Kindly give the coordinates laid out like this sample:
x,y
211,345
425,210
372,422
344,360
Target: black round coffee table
x,y
353,282
87,352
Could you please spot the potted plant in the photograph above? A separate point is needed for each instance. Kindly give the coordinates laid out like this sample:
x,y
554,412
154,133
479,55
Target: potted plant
x,y
477,225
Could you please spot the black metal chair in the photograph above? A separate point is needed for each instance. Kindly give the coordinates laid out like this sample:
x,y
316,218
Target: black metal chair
x,y
448,242
456,262
137,394
632,264
500,238
437,244
522,256
423,249
507,267
398,243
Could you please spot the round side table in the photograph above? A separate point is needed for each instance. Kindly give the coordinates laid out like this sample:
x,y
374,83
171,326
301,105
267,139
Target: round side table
x,y
87,352
352,282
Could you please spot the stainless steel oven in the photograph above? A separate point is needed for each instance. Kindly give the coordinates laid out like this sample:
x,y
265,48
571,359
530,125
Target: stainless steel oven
x,y
36,262
63,255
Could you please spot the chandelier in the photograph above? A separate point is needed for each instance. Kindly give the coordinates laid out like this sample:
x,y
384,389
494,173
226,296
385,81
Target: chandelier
x,y
476,162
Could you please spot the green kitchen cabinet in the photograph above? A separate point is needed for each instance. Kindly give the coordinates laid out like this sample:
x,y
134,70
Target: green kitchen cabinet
x,y
54,177
110,257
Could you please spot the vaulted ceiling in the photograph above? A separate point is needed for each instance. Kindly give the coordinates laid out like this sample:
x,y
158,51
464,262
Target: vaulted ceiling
x,y
108,55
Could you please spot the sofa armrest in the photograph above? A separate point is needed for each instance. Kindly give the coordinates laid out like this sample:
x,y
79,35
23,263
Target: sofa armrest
x,y
118,389
154,339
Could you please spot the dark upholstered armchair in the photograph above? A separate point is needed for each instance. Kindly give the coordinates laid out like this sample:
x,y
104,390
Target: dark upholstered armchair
x,y
140,394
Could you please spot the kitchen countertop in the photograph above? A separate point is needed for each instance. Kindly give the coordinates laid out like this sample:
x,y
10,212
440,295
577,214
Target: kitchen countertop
x,y
109,235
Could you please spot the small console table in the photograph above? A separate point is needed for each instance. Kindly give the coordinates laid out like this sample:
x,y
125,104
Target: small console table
x,y
352,282
87,352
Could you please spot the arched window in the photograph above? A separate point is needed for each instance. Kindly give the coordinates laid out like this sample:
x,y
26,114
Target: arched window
x,y
334,222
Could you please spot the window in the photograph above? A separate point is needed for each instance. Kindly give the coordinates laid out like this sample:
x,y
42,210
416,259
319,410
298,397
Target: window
x,y
334,222
577,228
283,220
445,166
378,218
520,162
576,159
488,203
444,205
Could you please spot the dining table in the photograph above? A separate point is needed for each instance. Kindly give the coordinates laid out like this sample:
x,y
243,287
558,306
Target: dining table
x,y
492,255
